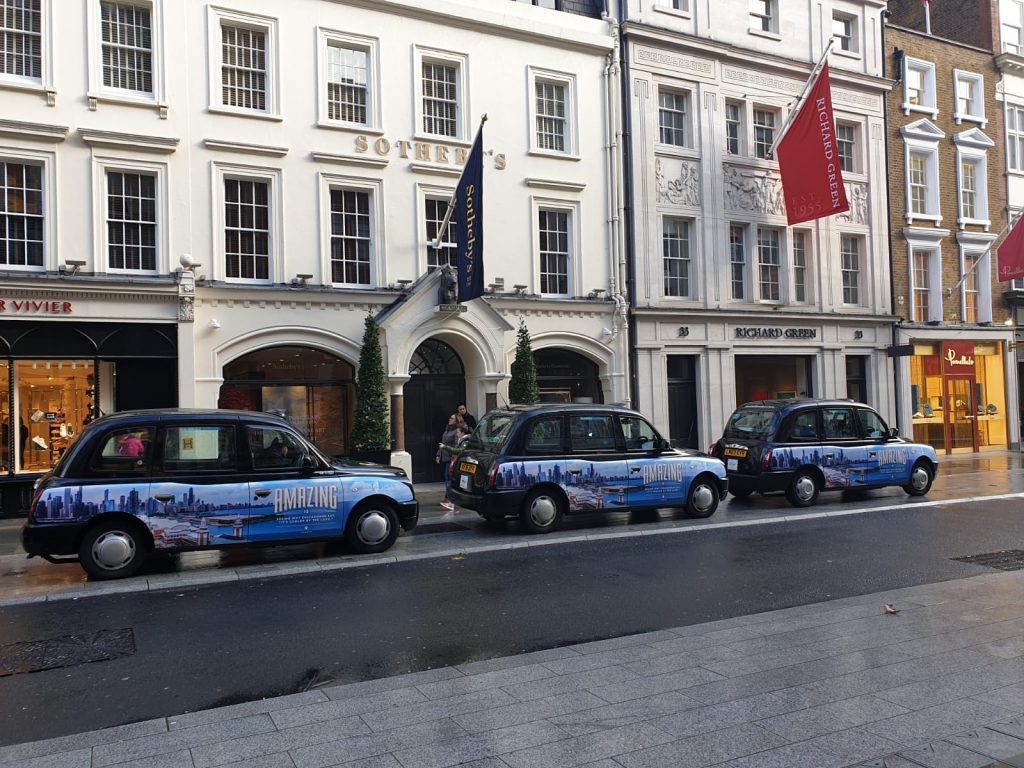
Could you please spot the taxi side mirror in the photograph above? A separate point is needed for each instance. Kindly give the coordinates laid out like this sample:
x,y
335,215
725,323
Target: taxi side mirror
x,y
894,433
662,445
308,464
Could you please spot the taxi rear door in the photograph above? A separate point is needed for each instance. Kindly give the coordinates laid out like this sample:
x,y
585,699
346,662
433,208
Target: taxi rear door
x,y
595,468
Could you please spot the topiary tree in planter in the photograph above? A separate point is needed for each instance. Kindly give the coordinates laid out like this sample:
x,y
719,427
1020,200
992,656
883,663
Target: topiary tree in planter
x,y
371,432
523,386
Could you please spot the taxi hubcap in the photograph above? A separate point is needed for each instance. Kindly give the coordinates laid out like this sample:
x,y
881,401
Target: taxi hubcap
x,y
373,527
543,510
113,550
804,488
703,497
919,478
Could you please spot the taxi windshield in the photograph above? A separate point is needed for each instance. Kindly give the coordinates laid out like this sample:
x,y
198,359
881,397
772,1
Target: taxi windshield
x,y
750,423
492,431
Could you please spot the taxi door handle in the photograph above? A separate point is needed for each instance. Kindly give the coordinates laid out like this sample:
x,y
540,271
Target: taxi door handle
x,y
873,454
830,455
262,494
634,469
163,497
574,471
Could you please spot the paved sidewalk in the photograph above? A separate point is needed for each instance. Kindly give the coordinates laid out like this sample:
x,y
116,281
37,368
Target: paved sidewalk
x,y
939,684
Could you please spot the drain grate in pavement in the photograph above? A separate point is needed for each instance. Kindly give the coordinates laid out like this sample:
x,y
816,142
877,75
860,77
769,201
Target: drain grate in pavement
x,y
438,528
1007,560
66,651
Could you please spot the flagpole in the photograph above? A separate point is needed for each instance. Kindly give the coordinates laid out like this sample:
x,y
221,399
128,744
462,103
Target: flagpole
x,y
451,202
991,247
803,94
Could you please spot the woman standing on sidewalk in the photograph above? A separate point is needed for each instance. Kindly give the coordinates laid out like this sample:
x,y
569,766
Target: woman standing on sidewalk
x,y
447,448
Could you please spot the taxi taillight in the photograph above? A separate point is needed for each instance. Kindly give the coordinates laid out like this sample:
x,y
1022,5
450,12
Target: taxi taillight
x,y
711,450
766,462
492,475
35,500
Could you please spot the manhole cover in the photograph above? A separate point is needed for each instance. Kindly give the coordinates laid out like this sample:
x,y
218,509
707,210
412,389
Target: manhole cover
x,y
1007,560
66,651
438,528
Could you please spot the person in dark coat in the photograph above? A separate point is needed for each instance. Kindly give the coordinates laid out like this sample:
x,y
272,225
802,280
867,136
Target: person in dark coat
x,y
467,417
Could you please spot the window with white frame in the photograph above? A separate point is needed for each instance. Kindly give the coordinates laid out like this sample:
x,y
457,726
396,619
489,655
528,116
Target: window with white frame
x,y
126,32
850,252
734,128
764,16
131,220
247,229
918,183
21,39
244,67
675,5
764,131
552,116
969,287
554,248
1015,138
922,182
846,147
970,97
21,214
801,239
445,253
351,237
844,32
440,97
348,83
738,261
675,243
921,284
918,87
972,165
673,117
769,264
1012,18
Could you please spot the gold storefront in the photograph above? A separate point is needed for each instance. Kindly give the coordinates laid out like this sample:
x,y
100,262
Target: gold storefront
x,y
958,395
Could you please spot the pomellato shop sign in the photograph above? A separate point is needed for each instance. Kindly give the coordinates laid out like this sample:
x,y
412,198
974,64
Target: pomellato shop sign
x,y
958,358
34,307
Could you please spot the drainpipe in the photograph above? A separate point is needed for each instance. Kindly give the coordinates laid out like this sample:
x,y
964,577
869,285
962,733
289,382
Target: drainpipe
x,y
883,17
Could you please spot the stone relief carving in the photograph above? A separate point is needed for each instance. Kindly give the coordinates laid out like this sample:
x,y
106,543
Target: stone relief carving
x,y
186,296
679,187
186,310
748,189
857,195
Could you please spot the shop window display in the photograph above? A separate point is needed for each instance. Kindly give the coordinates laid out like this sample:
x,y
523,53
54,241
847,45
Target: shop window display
x,y
772,377
53,400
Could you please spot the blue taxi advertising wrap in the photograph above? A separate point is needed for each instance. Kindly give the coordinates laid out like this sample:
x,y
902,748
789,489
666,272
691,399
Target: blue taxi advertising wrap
x,y
850,467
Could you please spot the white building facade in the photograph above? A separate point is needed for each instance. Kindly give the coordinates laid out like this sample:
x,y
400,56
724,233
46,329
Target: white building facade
x,y
205,214
730,303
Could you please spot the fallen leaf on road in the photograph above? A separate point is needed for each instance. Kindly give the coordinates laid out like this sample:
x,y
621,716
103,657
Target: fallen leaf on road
x,y
890,608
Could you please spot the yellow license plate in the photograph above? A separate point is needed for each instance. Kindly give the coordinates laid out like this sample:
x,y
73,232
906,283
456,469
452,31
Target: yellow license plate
x,y
469,469
738,453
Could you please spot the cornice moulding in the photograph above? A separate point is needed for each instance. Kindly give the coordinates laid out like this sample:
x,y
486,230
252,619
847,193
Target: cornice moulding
x,y
52,134
560,185
358,160
163,145
266,150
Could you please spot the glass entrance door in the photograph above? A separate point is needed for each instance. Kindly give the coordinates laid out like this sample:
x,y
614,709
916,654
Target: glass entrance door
x,y
961,421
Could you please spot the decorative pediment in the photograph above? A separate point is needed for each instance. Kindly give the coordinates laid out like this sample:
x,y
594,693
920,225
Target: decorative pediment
x,y
922,130
973,138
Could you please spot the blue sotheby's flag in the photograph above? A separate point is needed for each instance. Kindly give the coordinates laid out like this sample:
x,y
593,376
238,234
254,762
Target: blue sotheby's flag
x,y
469,223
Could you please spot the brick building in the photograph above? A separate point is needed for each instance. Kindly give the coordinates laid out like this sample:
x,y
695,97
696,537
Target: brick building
x,y
956,382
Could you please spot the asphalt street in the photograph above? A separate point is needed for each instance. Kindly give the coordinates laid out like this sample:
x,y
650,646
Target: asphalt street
x,y
207,646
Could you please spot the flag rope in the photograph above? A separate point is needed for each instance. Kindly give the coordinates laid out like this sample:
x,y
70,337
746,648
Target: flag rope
x,y
803,95
451,202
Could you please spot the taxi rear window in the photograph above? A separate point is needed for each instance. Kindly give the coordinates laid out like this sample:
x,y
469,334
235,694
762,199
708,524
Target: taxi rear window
x,y
750,423
491,432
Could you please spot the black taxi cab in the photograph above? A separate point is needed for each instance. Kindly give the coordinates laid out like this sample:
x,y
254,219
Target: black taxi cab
x,y
140,481
540,462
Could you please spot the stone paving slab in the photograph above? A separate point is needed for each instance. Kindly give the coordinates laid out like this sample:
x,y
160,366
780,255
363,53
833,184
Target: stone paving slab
x,y
837,684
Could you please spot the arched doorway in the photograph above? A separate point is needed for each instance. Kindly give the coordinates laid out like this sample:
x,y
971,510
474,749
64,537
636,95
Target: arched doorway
x,y
437,386
312,389
564,376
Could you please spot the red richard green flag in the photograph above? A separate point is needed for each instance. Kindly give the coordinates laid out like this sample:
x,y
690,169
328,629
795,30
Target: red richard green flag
x,y
1010,255
812,183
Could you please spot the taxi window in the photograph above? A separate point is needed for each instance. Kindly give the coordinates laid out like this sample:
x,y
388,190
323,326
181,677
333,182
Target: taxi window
x,y
592,433
750,423
839,423
274,448
544,436
125,451
640,436
199,448
871,424
804,426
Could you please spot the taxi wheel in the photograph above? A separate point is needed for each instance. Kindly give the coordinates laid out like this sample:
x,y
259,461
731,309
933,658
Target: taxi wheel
x,y
542,511
371,528
803,490
703,499
920,479
113,549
